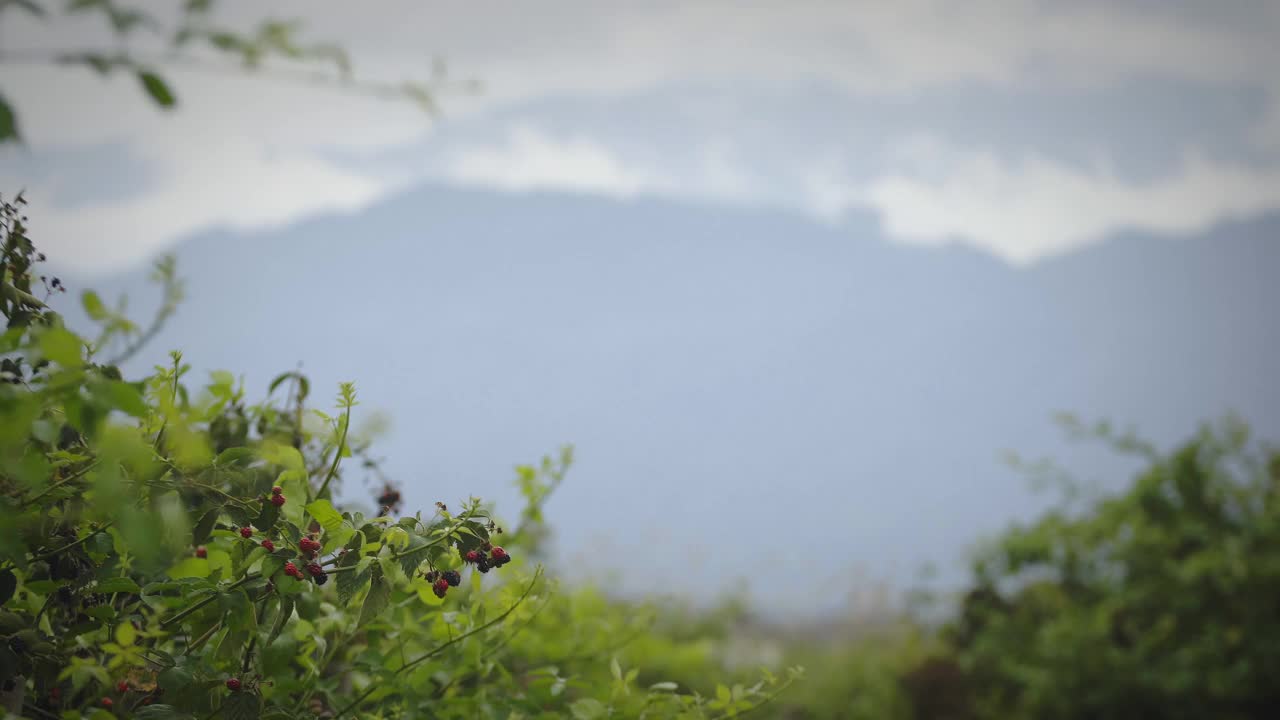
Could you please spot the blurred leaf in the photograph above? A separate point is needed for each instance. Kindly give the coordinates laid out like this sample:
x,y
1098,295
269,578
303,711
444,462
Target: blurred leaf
x,y
156,88
323,512
117,585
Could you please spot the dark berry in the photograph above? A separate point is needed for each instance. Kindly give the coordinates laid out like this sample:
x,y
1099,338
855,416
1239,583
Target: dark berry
x,y
440,587
452,577
246,532
201,552
233,684
277,490
277,499
315,569
270,546
483,565
431,576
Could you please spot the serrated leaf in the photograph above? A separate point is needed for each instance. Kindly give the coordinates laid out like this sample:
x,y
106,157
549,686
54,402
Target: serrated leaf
x,y
351,581
241,706
411,558
157,88
378,598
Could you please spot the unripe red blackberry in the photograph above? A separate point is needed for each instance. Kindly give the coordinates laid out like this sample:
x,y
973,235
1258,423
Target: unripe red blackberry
x,y
292,570
107,703
201,552
452,577
277,499
440,587
270,546
233,684
246,532
497,553
122,686
473,556
277,490
307,544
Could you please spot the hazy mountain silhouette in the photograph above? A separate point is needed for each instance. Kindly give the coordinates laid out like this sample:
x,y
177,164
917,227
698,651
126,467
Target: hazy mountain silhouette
x,y
750,393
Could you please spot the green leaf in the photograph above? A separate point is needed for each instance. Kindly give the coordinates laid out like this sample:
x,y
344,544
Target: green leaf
x,y
350,582
282,617
205,526
234,456
126,397
93,305
587,709
615,669
8,584
323,512
241,706
413,557
267,517
156,88
125,634
117,585
8,123
61,346
378,598
190,567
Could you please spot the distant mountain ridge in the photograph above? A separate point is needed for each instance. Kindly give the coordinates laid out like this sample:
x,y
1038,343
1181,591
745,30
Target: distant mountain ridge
x,y
751,394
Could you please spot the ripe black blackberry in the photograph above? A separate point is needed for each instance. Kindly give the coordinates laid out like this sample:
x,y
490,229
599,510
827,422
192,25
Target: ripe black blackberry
x,y
483,565
432,575
453,577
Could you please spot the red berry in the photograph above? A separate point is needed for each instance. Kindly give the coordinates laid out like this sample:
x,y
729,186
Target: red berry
x,y
307,544
246,532
292,570
472,556
277,499
106,703
440,587
315,569
55,693
201,552
270,546
233,683
122,686
498,553
277,490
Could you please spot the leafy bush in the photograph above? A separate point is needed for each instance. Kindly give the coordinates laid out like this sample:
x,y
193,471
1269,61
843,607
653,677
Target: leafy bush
x,y
1158,602
167,552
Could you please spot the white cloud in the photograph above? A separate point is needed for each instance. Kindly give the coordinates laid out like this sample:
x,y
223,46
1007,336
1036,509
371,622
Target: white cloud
x,y
250,153
529,160
1035,208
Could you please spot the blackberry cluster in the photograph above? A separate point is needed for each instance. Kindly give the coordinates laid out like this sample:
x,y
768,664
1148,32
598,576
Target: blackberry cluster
x,y
309,546
317,573
495,558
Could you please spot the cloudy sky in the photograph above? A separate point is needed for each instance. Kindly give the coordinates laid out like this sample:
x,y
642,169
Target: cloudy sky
x,y
1023,128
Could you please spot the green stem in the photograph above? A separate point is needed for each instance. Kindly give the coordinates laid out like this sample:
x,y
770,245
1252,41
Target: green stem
x,y
337,453
444,646
69,546
214,596
74,476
